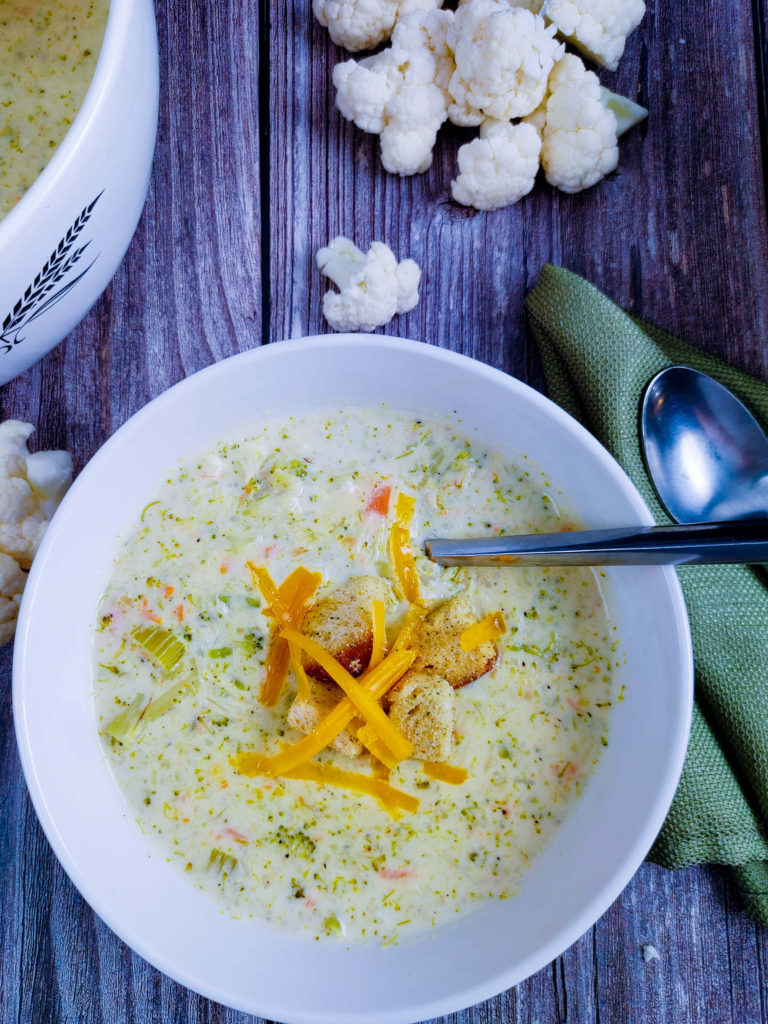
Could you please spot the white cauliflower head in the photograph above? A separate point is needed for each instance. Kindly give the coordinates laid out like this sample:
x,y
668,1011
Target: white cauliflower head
x,y
580,135
364,87
394,94
599,28
363,24
499,168
31,487
503,57
373,286
12,580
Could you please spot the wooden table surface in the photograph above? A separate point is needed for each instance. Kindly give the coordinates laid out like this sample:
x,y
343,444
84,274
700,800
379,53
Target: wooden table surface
x,y
254,171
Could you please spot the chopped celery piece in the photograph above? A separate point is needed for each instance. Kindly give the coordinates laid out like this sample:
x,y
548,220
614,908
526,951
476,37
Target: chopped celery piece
x,y
164,647
124,725
222,863
168,698
141,711
626,112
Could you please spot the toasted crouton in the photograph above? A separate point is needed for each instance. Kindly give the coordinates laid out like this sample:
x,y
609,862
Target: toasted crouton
x,y
439,650
305,714
342,623
423,708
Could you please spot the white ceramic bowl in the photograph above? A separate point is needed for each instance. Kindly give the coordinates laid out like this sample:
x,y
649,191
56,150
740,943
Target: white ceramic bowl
x,y
62,243
151,905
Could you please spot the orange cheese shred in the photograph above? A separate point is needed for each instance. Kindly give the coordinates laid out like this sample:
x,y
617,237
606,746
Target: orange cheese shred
x,y
302,683
399,549
445,772
393,800
377,747
377,682
489,628
366,705
288,605
378,618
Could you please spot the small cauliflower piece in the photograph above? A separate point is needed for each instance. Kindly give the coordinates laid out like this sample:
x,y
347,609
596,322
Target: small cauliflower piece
x,y
304,716
579,127
499,168
399,93
363,24
408,138
437,642
12,580
423,707
373,285
31,487
365,87
342,623
503,57
599,28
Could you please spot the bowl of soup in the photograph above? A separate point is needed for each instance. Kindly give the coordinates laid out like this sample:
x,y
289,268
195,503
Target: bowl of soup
x,y
189,773
79,87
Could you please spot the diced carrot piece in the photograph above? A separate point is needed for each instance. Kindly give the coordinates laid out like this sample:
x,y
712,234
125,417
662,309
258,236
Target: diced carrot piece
x,y
378,500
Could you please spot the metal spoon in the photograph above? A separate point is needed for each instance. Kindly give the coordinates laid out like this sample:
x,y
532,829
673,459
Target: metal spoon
x,y
707,456
706,453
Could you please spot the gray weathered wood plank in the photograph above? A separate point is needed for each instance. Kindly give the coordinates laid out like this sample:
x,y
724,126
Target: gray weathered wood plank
x,y
679,235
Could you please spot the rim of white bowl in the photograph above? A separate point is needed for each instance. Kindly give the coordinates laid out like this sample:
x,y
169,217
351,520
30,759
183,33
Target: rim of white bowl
x,y
117,20
488,987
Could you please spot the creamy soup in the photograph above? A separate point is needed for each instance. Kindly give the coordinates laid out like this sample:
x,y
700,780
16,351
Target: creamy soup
x,y
311,856
48,53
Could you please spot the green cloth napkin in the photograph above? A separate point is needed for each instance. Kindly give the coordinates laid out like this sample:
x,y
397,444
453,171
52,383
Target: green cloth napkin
x,y
597,360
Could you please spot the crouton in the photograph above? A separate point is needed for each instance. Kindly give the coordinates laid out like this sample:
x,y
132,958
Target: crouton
x,y
423,708
304,715
439,650
342,623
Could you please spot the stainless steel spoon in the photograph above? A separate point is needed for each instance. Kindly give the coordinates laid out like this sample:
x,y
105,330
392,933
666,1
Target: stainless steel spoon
x,y
708,458
706,453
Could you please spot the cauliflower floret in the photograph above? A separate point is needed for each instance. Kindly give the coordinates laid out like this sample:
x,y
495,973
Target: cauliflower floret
x,y
364,87
499,168
413,119
12,580
503,58
363,24
395,94
599,28
579,126
580,140
31,487
428,31
373,285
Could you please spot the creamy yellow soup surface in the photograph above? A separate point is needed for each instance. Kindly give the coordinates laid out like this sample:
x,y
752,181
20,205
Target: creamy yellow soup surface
x,y
48,53
309,857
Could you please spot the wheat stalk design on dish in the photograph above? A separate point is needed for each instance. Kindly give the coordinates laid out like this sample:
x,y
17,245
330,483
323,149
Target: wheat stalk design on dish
x,y
42,293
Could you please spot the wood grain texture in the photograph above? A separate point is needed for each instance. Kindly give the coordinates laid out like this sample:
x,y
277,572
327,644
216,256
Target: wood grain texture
x,y
254,171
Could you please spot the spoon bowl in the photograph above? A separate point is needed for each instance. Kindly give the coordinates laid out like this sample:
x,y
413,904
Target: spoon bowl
x,y
706,453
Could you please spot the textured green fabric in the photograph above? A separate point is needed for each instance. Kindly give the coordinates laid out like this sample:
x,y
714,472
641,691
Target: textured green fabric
x,y
597,360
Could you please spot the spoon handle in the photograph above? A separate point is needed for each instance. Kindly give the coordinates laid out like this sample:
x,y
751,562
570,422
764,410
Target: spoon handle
x,y
701,543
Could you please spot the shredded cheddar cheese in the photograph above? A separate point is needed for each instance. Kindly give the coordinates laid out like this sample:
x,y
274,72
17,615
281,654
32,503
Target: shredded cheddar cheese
x,y
393,800
287,604
489,628
378,681
400,553
369,708
378,613
446,772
